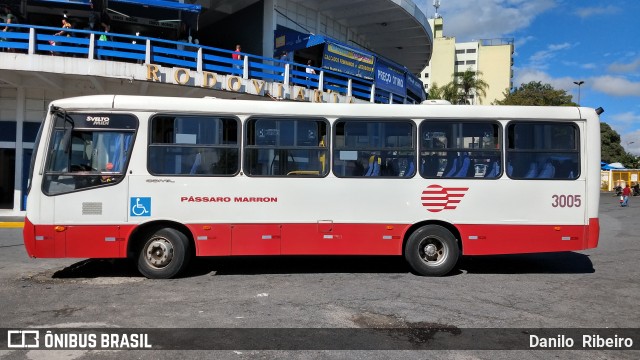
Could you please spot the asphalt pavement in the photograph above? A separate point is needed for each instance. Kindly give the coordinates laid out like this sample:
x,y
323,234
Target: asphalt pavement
x,y
597,288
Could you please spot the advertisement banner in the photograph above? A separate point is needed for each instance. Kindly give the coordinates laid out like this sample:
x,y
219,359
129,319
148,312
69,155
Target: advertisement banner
x,y
415,85
348,61
390,78
289,40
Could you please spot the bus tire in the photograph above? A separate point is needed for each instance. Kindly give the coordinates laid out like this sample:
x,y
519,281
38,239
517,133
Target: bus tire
x,y
432,250
164,254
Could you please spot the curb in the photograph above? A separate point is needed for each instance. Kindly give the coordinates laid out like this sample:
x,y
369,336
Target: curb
x,y
11,225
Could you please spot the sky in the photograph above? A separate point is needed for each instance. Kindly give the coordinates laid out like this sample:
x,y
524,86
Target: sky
x,y
561,41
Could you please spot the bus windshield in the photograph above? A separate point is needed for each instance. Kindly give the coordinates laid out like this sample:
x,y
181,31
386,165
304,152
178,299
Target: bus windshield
x,y
95,154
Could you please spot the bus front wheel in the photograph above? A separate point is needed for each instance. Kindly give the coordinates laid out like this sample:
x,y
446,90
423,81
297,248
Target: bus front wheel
x,y
432,250
164,254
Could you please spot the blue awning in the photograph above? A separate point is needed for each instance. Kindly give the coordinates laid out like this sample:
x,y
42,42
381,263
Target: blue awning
x,y
165,4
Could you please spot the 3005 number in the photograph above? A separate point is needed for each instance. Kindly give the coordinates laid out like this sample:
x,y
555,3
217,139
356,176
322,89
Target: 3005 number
x,y
566,201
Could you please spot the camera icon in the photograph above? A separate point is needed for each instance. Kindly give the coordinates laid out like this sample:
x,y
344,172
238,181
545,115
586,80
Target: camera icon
x,y
23,339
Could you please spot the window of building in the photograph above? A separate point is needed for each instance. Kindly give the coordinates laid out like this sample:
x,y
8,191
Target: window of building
x,y
460,149
459,62
194,145
7,177
471,51
8,131
286,147
374,148
543,151
471,62
460,51
29,131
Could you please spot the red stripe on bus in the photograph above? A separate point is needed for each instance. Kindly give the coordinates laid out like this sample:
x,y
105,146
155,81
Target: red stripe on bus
x,y
110,241
520,239
593,235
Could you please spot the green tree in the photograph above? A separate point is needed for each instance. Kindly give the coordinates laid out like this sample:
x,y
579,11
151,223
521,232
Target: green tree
x,y
451,93
448,92
536,94
612,150
470,81
435,92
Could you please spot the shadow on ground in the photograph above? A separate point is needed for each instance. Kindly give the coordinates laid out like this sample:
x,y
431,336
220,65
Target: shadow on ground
x,y
552,263
547,263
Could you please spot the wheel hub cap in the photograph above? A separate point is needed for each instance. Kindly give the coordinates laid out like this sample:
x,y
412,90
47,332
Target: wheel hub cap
x,y
430,250
159,252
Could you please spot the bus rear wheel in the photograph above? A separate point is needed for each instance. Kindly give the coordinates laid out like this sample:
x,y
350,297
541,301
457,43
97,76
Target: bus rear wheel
x,y
164,254
432,250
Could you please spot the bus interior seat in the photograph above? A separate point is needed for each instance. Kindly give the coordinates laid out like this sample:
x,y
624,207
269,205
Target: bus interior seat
x,y
451,171
411,169
494,170
374,166
548,171
533,171
197,164
464,168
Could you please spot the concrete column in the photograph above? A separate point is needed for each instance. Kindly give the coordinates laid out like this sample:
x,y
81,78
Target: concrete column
x,y
147,55
20,111
32,41
287,73
268,28
92,46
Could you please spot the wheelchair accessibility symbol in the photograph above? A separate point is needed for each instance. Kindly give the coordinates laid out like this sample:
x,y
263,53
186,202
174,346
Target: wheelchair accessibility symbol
x,y
140,206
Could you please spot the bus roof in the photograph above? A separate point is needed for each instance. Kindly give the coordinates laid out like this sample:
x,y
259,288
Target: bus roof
x,y
250,107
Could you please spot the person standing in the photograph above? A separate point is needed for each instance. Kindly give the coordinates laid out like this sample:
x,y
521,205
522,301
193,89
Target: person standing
x,y
237,56
626,192
309,70
9,19
66,25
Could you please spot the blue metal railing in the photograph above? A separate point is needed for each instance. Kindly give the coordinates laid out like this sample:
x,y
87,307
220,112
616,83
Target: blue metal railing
x,y
128,48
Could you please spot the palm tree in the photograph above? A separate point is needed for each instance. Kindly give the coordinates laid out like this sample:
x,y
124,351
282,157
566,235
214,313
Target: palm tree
x,y
435,92
451,93
448,92
469,81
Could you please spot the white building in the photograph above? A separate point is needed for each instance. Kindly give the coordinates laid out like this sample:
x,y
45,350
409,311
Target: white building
x,y
492,57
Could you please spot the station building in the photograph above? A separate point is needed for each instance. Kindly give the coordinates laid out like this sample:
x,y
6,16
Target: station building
x,y
362,51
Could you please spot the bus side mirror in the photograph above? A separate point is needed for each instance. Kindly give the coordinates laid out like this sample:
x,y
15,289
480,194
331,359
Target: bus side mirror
x,y
599,110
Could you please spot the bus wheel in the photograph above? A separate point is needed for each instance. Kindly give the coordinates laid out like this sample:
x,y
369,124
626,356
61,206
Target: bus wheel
x,y
164,254
432,250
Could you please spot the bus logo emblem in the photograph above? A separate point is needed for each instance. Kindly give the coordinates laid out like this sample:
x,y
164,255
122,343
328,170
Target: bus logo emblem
x,y
436,198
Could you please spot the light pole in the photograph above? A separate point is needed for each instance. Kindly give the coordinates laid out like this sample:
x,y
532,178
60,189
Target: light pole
x,y
580,82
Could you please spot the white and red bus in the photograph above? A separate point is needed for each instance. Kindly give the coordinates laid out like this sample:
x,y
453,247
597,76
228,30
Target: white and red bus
x,y
161,180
